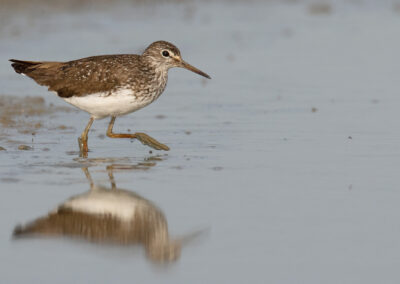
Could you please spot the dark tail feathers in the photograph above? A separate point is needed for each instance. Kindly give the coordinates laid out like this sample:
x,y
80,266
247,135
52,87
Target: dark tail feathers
x,y
18,231
21,66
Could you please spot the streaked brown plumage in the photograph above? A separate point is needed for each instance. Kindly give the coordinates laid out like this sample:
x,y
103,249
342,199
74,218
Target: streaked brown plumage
x,y
110,85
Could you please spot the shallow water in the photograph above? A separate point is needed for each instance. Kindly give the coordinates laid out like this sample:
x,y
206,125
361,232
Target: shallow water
x,y
287,159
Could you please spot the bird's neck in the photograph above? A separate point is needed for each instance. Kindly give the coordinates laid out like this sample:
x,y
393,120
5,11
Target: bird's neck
x,y
156,74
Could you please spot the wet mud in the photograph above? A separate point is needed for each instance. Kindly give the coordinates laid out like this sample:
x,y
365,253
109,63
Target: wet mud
x,y
27,116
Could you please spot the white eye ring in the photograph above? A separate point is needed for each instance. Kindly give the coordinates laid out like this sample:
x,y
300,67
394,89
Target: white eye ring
x,y
165,53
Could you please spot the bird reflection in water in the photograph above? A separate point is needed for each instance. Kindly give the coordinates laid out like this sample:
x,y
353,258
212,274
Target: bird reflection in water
x,y
109,215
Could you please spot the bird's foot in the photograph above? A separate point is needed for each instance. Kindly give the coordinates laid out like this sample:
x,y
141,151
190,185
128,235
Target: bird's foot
x,y
151,142
83,147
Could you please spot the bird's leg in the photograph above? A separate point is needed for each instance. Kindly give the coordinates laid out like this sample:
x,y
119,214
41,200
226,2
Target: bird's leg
x,y
88,177
142,137
110,169
82,141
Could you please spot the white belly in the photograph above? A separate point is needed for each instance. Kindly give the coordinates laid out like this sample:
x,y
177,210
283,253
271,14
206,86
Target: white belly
x,y
101,105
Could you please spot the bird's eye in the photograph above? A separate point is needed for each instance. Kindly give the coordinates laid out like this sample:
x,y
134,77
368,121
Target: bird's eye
x,y
165,53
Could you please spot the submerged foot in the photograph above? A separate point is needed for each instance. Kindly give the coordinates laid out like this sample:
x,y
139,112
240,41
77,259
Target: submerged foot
x,y
151,142
83,147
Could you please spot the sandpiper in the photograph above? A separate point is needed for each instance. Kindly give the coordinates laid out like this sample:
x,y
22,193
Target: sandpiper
x,y
110,85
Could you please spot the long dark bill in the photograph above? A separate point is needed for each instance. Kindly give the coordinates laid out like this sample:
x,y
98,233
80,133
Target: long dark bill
x,y
194,69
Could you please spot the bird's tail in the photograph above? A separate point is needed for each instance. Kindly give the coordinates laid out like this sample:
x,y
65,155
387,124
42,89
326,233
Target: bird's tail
x,y
24,67
20,231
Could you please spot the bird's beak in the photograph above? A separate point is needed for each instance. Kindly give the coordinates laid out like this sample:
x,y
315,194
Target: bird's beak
x,y
187,66
184,240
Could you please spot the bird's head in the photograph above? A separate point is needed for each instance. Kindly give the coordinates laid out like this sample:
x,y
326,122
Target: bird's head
x,y
166,55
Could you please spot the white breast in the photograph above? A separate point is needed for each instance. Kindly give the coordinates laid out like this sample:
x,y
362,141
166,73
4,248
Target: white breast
x,y
118,103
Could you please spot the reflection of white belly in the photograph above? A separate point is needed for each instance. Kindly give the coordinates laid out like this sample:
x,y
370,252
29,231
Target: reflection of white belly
x,y
119,205
101,105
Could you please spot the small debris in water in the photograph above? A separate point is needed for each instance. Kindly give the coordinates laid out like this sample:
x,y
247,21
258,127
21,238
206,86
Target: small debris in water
x,y
101,136
62,127
217,168
349,137
188,132
24,147
160,116
320,9
150,152
314,109
177,168
46,149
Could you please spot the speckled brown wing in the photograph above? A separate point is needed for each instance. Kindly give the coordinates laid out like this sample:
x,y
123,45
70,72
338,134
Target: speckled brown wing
x,y
80,77
145,226
65,222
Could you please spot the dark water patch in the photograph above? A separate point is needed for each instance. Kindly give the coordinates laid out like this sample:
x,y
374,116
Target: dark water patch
x,y
10,180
